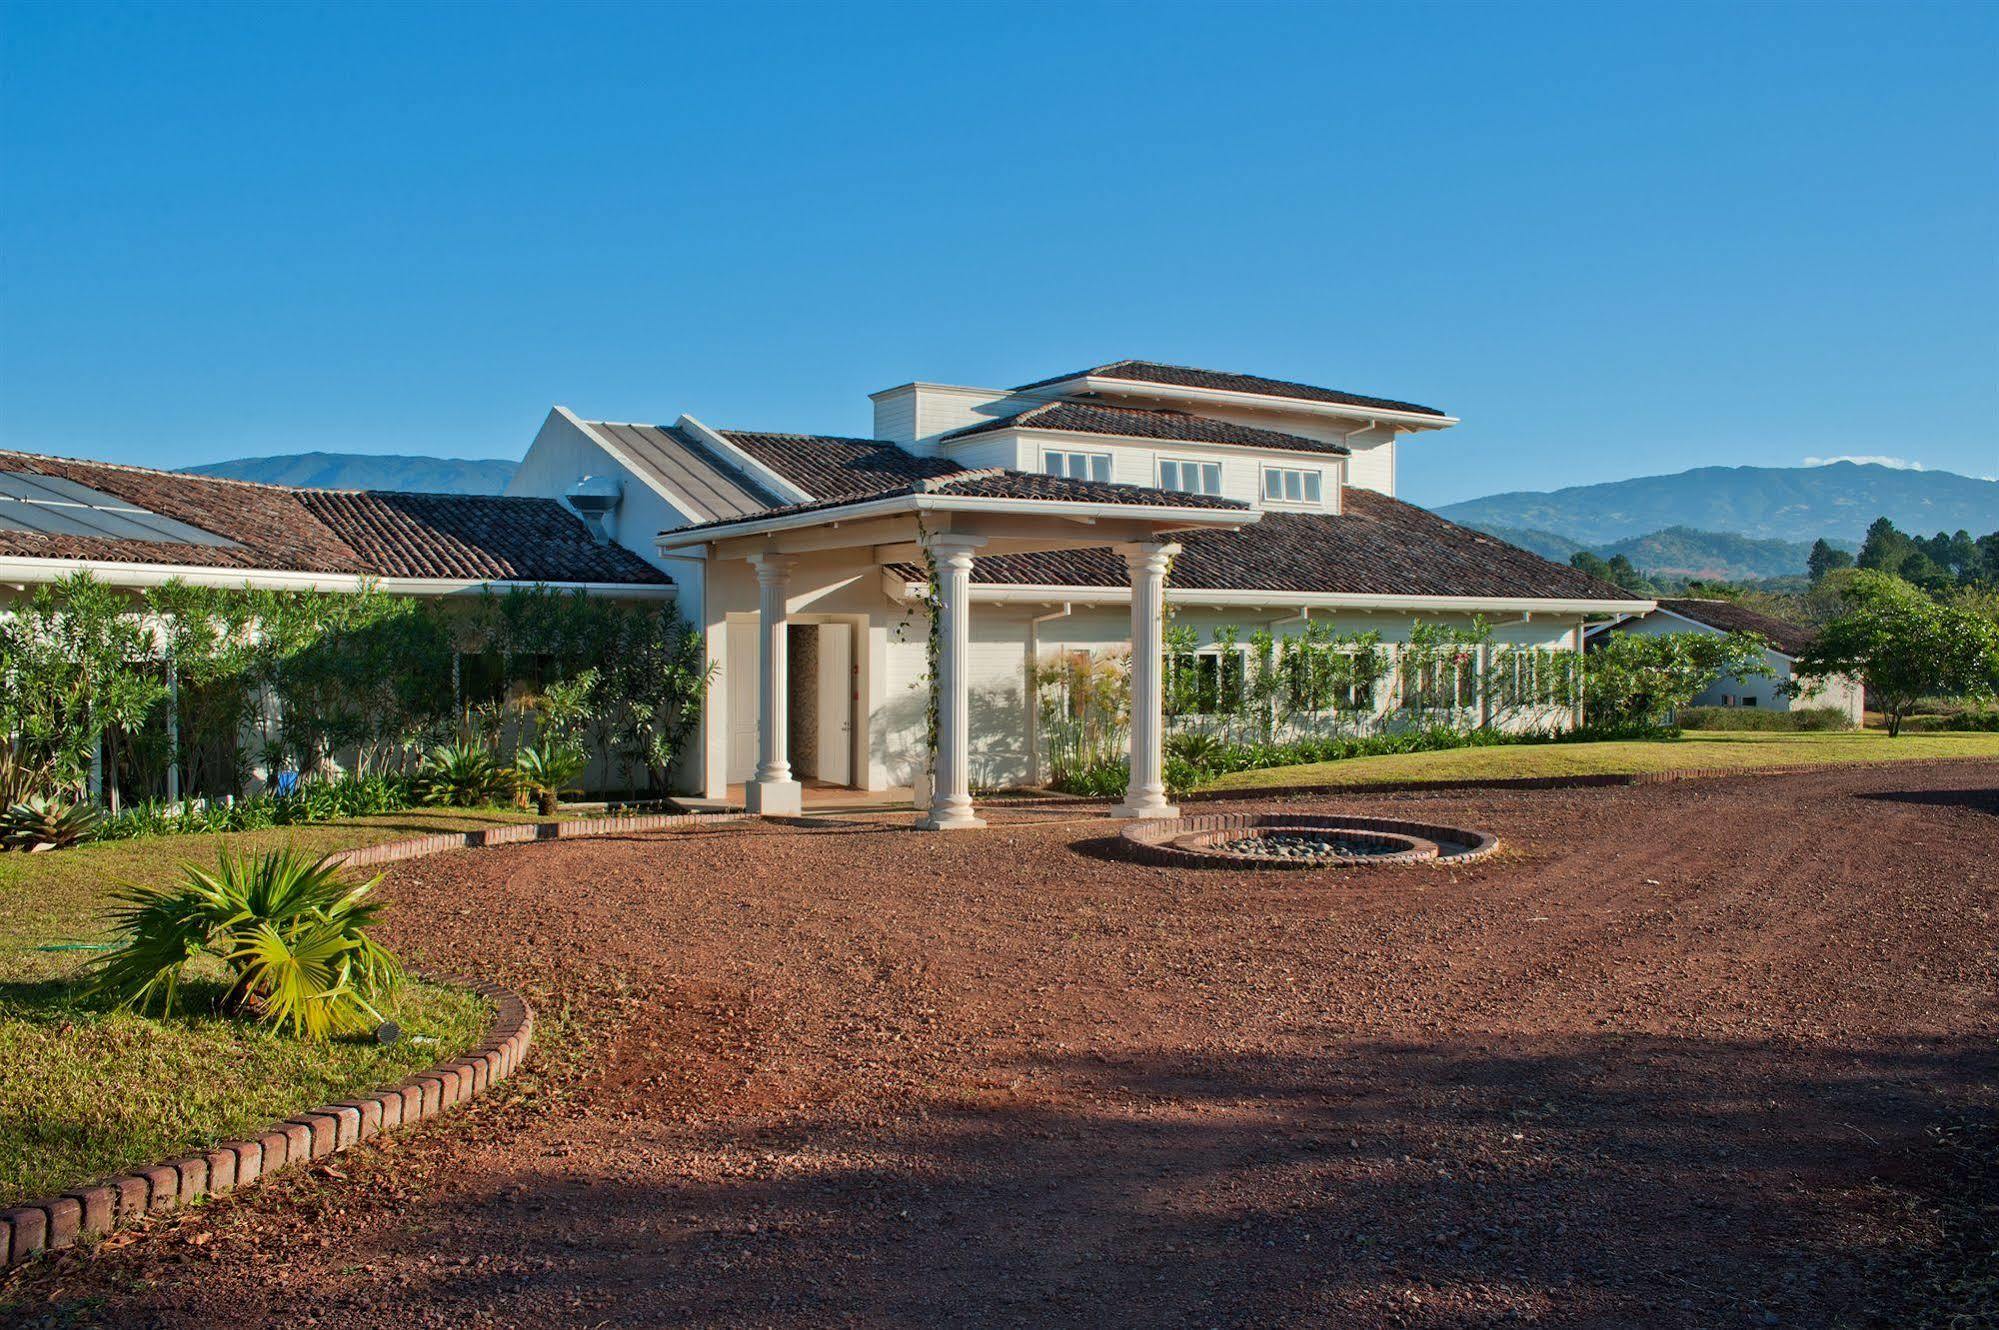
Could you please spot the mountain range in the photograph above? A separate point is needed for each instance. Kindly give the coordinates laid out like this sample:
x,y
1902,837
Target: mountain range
x,y
1680,551
1797,503
363,471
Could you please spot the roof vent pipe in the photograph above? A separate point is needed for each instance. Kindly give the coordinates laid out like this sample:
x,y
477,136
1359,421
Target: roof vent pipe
x,y
595,499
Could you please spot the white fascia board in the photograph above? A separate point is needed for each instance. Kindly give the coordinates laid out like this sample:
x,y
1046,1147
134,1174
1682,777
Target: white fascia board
x,y
778,485
1403,420
994,593
261,579
1226,518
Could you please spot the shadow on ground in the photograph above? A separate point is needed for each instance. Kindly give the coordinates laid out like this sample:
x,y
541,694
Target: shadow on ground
x,y
1604,1181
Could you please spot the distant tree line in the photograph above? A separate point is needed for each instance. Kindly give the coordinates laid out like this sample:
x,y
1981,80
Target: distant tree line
x,y
1936,563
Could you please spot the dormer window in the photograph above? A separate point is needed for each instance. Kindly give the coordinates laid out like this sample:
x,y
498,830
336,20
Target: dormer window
x,y
1190,477
1077,466
1290,484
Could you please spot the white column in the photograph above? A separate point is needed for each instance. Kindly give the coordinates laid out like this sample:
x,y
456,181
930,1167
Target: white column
x,y
1146,795
772,791
951,770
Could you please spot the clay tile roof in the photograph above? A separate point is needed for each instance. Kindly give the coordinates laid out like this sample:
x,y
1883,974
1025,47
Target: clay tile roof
x,y
828,466
483,537
1183,376
278,528
1789,638
1375,546
1090,418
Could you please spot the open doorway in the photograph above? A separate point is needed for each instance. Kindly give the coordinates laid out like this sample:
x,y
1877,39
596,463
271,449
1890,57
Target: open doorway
x,y
819,669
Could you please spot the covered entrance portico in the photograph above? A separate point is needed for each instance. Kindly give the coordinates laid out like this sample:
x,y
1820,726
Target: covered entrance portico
x,y
800,557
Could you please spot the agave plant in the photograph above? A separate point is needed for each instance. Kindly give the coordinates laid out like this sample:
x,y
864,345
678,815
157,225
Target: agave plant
x,y
292,935
462,774
41,823
548,769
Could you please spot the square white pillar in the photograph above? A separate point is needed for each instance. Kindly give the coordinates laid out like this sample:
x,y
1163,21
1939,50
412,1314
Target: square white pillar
x,y
951,768
772,791
1145,797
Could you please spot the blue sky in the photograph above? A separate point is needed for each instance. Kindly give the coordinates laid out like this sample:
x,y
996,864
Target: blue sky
x,y
1615,239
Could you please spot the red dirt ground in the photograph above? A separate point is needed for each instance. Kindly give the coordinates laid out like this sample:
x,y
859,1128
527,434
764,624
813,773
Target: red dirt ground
x,y
1668,1059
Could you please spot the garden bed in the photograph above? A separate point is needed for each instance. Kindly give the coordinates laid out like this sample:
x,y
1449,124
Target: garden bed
x,y
85,1092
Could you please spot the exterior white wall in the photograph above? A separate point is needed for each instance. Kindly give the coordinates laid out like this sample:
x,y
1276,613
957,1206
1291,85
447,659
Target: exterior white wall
x,y
890,648
1137,462
1372,461
915,414
562,454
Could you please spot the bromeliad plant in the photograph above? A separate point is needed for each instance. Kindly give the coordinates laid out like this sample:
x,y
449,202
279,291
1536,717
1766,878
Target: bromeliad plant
x,y
291,934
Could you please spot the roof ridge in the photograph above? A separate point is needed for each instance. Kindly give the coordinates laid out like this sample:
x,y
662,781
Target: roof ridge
x,y
931,484
787,434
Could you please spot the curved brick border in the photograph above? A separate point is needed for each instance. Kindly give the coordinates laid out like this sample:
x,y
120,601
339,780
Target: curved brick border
x,y
1166,842
416,847
49,1225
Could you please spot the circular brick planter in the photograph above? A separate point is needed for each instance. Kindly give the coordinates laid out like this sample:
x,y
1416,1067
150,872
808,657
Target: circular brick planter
x,y
49,1225
1204,842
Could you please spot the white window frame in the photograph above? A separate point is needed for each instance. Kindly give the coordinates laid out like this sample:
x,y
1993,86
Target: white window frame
x,y
1179,464
1069,455
1309,477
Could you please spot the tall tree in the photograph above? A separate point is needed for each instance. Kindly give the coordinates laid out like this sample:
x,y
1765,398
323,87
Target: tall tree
x,y
1625,573
1825,557
1885,548
1590,563
1904,646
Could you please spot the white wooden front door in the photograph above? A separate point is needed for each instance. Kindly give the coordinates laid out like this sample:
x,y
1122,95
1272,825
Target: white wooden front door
x,y
836,703
742,665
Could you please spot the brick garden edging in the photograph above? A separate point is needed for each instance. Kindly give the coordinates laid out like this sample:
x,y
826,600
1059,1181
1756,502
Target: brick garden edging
x,y
514,833
58,1222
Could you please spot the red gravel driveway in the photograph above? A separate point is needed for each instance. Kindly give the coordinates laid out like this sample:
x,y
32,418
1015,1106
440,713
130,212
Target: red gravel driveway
x,y
1675,1057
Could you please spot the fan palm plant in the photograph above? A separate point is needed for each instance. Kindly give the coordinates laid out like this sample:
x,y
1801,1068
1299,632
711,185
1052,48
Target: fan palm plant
x,y
546,770
291,934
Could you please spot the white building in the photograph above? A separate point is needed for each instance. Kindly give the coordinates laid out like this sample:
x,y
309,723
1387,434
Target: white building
x,y
1786,641
1060,515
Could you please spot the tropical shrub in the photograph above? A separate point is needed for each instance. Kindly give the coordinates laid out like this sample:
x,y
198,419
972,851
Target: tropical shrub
x,y
1646,678
290,934
544,771
462,775
40,822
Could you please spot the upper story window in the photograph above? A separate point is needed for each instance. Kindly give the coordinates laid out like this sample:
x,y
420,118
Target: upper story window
x,y
1288,484
1190,477
1077,466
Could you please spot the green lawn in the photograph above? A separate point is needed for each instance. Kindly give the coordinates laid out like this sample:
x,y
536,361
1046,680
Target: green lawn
x,y
85,1092
1693,751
